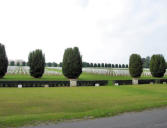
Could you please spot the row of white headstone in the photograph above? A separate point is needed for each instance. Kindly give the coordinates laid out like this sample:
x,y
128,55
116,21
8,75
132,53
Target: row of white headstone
x,y
115,72
25,70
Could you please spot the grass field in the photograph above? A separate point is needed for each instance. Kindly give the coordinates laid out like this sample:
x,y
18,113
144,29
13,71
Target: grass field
x,y
29,105
83,76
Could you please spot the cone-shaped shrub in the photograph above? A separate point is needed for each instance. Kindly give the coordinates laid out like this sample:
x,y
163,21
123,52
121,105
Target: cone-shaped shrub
x,y
135,66
3,61
36,61
157,65
72,63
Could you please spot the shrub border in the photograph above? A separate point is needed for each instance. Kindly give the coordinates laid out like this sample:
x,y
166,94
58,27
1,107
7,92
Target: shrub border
x,y
51,83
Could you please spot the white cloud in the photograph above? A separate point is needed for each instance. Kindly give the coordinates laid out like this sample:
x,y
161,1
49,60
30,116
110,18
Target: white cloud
x,y
104,30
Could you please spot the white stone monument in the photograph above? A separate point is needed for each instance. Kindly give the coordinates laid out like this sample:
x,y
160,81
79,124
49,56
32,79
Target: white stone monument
x,y
97,85
135,81
73,82
46,86
19,86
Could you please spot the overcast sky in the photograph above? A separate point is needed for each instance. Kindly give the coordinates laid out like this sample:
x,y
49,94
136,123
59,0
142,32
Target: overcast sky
x,y
104,30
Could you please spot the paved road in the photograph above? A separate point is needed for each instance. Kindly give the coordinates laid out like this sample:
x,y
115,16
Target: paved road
x,y
156,118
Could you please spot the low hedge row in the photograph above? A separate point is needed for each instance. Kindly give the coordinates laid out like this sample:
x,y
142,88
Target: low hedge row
x,y
34,83
92,83
145,81
50,83
122,82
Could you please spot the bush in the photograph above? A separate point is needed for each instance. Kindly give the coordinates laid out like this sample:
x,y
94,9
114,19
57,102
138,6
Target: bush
x,y
135,66
54,64
157,66
3,61
127,66
123,65
91,64
144,81
18,64
120,66
95,65
72,63
12,63
36,61
24,63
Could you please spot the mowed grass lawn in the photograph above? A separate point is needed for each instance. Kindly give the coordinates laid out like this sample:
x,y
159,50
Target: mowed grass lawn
x,y
31,105
83,76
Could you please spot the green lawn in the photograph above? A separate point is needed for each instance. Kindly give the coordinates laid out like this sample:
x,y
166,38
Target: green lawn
x,y
29,105
83,76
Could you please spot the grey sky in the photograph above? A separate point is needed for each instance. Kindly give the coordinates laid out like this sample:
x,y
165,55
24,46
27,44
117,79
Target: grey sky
x,y
104,30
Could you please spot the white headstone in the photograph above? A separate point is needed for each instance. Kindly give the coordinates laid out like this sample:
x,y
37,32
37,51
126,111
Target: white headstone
x,y
135,81
151,83
46,86
97,85
116,84
19,86
73,82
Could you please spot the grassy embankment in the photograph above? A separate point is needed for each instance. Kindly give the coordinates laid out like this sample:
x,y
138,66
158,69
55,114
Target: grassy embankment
x,y
30,105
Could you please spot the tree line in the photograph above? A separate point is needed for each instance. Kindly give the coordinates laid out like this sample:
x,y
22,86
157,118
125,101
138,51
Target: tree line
x,y
84,64
72,64
157,65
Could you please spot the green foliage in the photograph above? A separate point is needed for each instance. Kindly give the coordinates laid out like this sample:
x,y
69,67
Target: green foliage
x,y
54,64
95,65
135,66
18,64
102,65
146,62
49,64
127,66
109,65
157,65
99,65
120,66
91,64
72,63
123,65
85,64
116,65
113,66
3,61
36,61
24,63
12,63
60,64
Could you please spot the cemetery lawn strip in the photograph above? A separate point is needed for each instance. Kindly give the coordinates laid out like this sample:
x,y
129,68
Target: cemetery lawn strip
x,y
53,69
25,106
83,76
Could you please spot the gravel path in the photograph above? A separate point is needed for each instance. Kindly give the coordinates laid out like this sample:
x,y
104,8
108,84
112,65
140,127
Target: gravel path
x,y
155,118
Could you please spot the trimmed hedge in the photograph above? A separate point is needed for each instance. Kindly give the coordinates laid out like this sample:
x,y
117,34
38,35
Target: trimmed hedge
x,y
34,83
50,83
145,81
92,83
122,82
